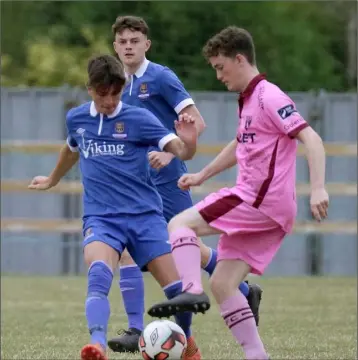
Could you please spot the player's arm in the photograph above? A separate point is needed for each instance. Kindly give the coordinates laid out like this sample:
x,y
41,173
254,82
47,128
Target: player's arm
x,y
315,155
68,157
316,158
158,160
66,160
184,145
225,160
153,133
287,120
175,94
193,111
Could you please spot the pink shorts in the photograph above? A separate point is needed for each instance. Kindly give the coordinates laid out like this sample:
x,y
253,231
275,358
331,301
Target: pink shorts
x,y
248,234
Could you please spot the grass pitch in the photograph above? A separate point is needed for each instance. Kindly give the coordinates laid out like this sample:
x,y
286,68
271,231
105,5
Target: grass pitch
x,y
301,318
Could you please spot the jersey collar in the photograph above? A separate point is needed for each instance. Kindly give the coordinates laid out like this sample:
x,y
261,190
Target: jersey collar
x,y
141,70
94,112
252,85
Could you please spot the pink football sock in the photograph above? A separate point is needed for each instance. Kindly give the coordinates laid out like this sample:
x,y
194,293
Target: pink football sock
x,y
186,253
240,320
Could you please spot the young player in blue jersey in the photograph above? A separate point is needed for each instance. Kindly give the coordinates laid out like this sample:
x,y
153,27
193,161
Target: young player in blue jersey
x,y
158,89
122,209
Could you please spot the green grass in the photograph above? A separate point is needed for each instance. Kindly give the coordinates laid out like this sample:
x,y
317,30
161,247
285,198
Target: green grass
x,y
301,318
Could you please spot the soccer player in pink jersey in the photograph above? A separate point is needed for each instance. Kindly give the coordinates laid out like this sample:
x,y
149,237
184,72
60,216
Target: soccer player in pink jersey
x,y
254,216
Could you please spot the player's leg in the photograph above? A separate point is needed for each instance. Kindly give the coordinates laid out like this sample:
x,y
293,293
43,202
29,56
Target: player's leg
x,y
101,254
254,241
151,251
252,292
184,230
234,306
131,284
175,201
206,218
164,271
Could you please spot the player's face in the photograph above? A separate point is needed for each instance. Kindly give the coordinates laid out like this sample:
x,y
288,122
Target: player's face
x,y
131,47
229,71
106,101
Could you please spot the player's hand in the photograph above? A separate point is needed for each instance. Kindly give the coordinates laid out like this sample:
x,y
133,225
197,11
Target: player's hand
x,y
186,129
319,203
188,180
41,183
159,159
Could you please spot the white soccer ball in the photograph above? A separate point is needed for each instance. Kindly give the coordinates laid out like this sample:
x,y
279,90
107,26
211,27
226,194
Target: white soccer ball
x,y
162,340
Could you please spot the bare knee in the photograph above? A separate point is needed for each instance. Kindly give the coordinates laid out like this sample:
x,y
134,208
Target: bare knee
x,y
177,222
99,251
191,218
126,259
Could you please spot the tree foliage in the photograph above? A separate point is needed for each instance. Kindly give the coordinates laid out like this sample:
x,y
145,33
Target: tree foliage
x,y
301,45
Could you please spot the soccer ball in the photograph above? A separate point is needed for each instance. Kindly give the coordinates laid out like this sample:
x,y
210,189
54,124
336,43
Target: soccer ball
x,y
162,340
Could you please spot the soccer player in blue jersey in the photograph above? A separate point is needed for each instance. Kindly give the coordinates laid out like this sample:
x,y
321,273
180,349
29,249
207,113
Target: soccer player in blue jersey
x,y
158,89
122,208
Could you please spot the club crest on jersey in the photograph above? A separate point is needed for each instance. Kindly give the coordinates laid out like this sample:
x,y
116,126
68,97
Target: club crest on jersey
x,y
248,121
143,89
119,131
119,127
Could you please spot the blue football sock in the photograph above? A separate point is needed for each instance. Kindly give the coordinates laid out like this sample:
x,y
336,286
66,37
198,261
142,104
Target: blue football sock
x,y
210,267
184,319
132,289
244,288
97,305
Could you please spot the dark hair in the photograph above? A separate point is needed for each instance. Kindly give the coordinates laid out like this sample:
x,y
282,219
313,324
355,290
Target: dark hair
x,y
133,23
105,73
229,42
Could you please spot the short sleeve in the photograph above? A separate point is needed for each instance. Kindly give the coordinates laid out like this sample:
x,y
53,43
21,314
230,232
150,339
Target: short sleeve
x,y
283,113
71,142
173,91
153,132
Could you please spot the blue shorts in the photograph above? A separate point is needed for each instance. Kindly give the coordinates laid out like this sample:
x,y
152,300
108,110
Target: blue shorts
x,y
144,235
174,199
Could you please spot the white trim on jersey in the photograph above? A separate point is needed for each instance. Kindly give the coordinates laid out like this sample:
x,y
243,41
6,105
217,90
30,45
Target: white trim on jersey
x,y
94,112
165,140
141,70
183,104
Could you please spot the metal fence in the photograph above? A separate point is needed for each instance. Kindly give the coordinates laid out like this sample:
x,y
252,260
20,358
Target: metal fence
x,y
41,231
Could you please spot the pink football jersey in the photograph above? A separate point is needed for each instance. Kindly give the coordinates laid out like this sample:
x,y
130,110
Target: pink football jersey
x,y
266,151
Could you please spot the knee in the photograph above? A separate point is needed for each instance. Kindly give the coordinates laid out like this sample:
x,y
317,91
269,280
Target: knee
x,y
126,259
215,285
185,219
176,222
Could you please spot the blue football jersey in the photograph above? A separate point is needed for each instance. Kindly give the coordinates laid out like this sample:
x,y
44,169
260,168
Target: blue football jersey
x,y
113,158
158,89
